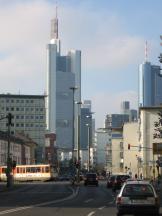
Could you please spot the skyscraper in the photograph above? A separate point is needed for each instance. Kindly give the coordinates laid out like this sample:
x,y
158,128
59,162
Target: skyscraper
x,y
150,85
63,72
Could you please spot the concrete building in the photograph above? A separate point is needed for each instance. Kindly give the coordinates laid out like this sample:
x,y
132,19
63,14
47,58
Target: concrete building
x,y
63,72
22,149
150,82
103,149
148,118
29,118
117,157
132,156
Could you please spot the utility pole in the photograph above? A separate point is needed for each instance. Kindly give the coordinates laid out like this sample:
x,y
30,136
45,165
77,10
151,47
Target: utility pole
x,y
73,131
88,126
78,143
9,160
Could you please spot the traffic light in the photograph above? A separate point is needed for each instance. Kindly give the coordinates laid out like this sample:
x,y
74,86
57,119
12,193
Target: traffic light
x,y
128,146
10,117
139,148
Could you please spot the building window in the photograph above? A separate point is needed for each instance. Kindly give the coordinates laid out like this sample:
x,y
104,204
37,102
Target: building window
x,y
12,108
17,125
12,101
22,117
7,108
17,101
17,117
22,101
17,108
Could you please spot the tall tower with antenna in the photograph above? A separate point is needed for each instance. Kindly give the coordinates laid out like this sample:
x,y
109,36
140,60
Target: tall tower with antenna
x,y
150,82
63,72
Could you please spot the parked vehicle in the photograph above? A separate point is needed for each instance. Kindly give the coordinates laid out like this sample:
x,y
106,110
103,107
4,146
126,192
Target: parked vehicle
x,y
91,179
137,197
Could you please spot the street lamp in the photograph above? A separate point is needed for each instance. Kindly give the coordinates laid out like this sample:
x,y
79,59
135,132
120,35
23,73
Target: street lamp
x,y
73,131
78,142
88,126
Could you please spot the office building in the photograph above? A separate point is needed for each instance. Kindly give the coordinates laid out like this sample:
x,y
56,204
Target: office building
x,y
116,120
29,118
63,72
150,82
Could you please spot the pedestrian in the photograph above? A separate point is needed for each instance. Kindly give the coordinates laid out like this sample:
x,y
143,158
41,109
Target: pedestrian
x,y
141,176
136,176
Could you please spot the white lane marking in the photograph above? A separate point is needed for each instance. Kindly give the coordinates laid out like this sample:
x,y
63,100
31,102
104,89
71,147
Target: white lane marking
x,y
91,213
40,204
101,207
87,201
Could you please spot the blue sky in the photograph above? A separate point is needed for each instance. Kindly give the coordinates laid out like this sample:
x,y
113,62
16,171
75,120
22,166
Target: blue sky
x,y
110,33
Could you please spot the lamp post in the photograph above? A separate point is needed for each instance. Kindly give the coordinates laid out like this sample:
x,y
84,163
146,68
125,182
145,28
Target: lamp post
x,y
9,160
88,126
73,131
78,143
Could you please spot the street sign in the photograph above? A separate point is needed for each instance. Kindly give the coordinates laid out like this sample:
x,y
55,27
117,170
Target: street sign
x,y
157,148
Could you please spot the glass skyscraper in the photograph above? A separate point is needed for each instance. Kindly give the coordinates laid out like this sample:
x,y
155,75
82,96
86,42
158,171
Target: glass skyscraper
x,y
150,85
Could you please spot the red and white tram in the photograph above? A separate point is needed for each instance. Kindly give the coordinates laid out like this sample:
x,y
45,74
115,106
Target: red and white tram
x,y
41,172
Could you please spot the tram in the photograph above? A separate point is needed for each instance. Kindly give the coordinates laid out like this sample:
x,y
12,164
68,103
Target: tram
x,y
41,172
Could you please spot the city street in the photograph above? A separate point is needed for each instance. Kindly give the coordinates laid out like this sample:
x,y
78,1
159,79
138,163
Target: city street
x,y
59,199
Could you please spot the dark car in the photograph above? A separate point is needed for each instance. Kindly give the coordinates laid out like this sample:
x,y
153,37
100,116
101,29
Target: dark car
x,y
110,181
91,179
116,181
137,197
119,181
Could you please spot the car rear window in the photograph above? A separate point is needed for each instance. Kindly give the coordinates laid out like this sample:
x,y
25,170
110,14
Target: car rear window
x,y
137,189
91,175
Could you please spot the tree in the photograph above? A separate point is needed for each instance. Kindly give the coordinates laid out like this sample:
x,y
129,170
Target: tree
x,y
158,126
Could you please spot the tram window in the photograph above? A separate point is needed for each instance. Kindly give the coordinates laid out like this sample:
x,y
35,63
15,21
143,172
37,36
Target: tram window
x,y
23,170
28,169
3,170
42,169
33,169
38,169
47,169
18,171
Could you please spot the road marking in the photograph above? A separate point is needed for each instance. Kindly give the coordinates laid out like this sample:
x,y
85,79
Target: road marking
x,y
40,204
91,213
89,200
101,207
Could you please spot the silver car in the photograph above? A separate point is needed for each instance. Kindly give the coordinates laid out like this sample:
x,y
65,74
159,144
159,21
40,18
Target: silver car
x,y
137,197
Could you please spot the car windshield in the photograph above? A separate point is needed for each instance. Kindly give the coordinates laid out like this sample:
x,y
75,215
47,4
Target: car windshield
x,y
137,189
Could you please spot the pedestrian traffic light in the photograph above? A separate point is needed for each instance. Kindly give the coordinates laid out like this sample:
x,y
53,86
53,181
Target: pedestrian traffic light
x,y
128,146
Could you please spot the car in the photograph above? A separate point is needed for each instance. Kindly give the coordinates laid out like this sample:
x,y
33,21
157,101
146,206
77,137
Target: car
x,y
110,181
137,197
116,181
91,179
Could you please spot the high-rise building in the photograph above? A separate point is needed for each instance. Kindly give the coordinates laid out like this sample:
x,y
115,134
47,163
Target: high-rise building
x,y
150,85
125,107
63,73
28,118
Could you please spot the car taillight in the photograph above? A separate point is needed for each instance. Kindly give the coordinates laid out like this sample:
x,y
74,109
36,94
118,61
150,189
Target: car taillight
x,y
118,200
156,200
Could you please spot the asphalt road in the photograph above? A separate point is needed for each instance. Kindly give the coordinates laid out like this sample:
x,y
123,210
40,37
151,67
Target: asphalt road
x,y
57,199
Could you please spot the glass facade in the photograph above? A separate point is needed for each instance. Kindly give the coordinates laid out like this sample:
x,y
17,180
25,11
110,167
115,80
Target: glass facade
x,y
150,82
